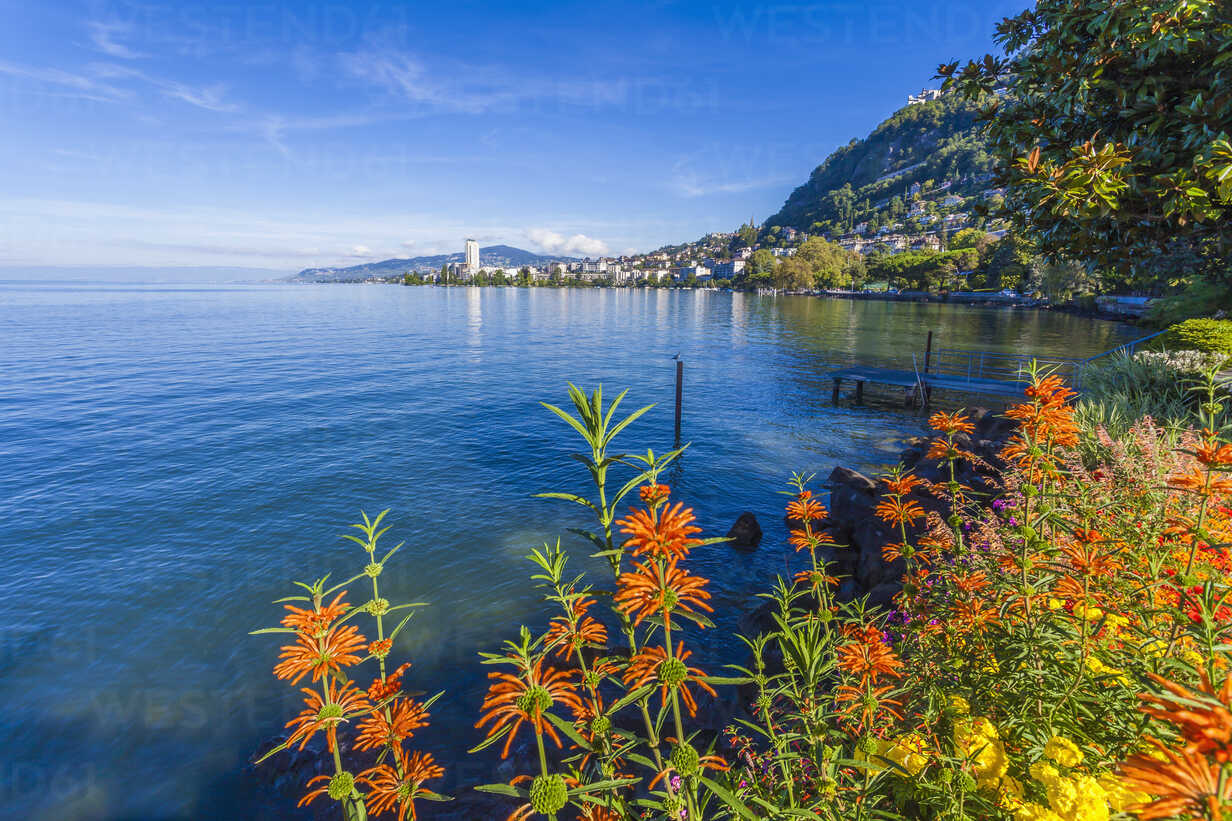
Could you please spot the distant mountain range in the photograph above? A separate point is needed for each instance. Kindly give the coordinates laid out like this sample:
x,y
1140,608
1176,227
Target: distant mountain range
x,y
500,256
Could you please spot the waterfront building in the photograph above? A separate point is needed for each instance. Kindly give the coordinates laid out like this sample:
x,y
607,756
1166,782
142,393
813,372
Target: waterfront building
x,y
727,270
472,257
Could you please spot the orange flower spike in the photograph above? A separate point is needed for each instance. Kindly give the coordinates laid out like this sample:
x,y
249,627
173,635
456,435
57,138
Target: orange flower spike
x,y
804,508
650,590
902,484
1214,454
383,688
803,540
568,635
899,511
653,494
666,534
337,648
1050,390
1195,481
325,712
317,620
389,791
816,578
517,700
951,423
1203,716
1182,784
867,656
671,673
405,717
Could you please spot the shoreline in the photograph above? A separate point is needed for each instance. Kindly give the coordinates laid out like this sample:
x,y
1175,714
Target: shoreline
x,y
967,298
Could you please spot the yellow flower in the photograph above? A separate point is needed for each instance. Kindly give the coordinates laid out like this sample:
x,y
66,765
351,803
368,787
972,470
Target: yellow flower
x,y
1078,798
1044,773
1099,669
1034,812
977,739
1009,794
1063,751
1082,611
910,752
960,706
1120,797
1055,604
1154,647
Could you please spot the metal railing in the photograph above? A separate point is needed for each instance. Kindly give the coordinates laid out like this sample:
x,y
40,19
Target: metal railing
x,y
973,366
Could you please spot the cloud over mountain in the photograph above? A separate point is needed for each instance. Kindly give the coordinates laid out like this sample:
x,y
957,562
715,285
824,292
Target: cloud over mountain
x,y
554,243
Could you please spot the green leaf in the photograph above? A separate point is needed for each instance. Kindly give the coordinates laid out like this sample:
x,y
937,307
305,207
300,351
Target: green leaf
x,y
568,497
490,740
727,798
611,784
503,789
727,681
566,727
630,697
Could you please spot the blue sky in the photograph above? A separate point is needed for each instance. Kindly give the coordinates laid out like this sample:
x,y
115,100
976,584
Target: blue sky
x,y
292,134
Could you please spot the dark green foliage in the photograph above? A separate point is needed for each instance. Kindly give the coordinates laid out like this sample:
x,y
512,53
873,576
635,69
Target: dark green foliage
x,y
1198,299
1114,137
1207,335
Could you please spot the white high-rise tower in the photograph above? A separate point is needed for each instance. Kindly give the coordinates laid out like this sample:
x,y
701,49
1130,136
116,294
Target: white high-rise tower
x,y
472,257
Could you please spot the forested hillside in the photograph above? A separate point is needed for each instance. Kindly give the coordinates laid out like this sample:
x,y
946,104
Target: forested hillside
x,y
929,144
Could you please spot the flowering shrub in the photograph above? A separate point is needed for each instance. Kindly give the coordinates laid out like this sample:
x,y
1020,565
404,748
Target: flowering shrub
x,y
328,651
1057,653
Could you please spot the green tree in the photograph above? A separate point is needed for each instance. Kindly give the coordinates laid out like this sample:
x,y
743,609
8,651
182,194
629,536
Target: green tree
x,y
1008,262
745,237
969,238
1113,138
831,265
793,273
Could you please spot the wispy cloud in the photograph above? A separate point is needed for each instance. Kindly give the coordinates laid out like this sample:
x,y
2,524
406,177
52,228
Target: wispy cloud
x,y
694,186
475,88
209,97
555,243
83,85
105,36
273,128
107,82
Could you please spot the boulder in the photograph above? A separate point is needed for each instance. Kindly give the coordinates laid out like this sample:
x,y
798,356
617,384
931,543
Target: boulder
x,y
852,497
992,426
745,533
882,596
872,569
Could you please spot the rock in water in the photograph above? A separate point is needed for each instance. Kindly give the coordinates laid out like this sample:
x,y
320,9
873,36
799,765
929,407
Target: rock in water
x,y
745,533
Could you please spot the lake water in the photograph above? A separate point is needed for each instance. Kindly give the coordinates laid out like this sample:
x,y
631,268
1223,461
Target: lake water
x,y
174,456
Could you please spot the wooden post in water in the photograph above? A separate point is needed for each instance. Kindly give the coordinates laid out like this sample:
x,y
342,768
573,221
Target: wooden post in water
x,y
679,395
928,351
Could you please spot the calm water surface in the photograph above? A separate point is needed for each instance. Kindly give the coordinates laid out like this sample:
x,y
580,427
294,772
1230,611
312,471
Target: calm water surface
x,y
174,456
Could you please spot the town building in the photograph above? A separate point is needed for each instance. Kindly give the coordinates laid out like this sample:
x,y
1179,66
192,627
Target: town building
x,y
727,270
925,95
472,257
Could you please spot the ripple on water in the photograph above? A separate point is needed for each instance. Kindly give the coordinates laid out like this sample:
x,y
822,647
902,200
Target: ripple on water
x,y
176,455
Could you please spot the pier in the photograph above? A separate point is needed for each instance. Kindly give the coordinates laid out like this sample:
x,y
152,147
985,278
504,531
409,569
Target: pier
x,y
984,372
